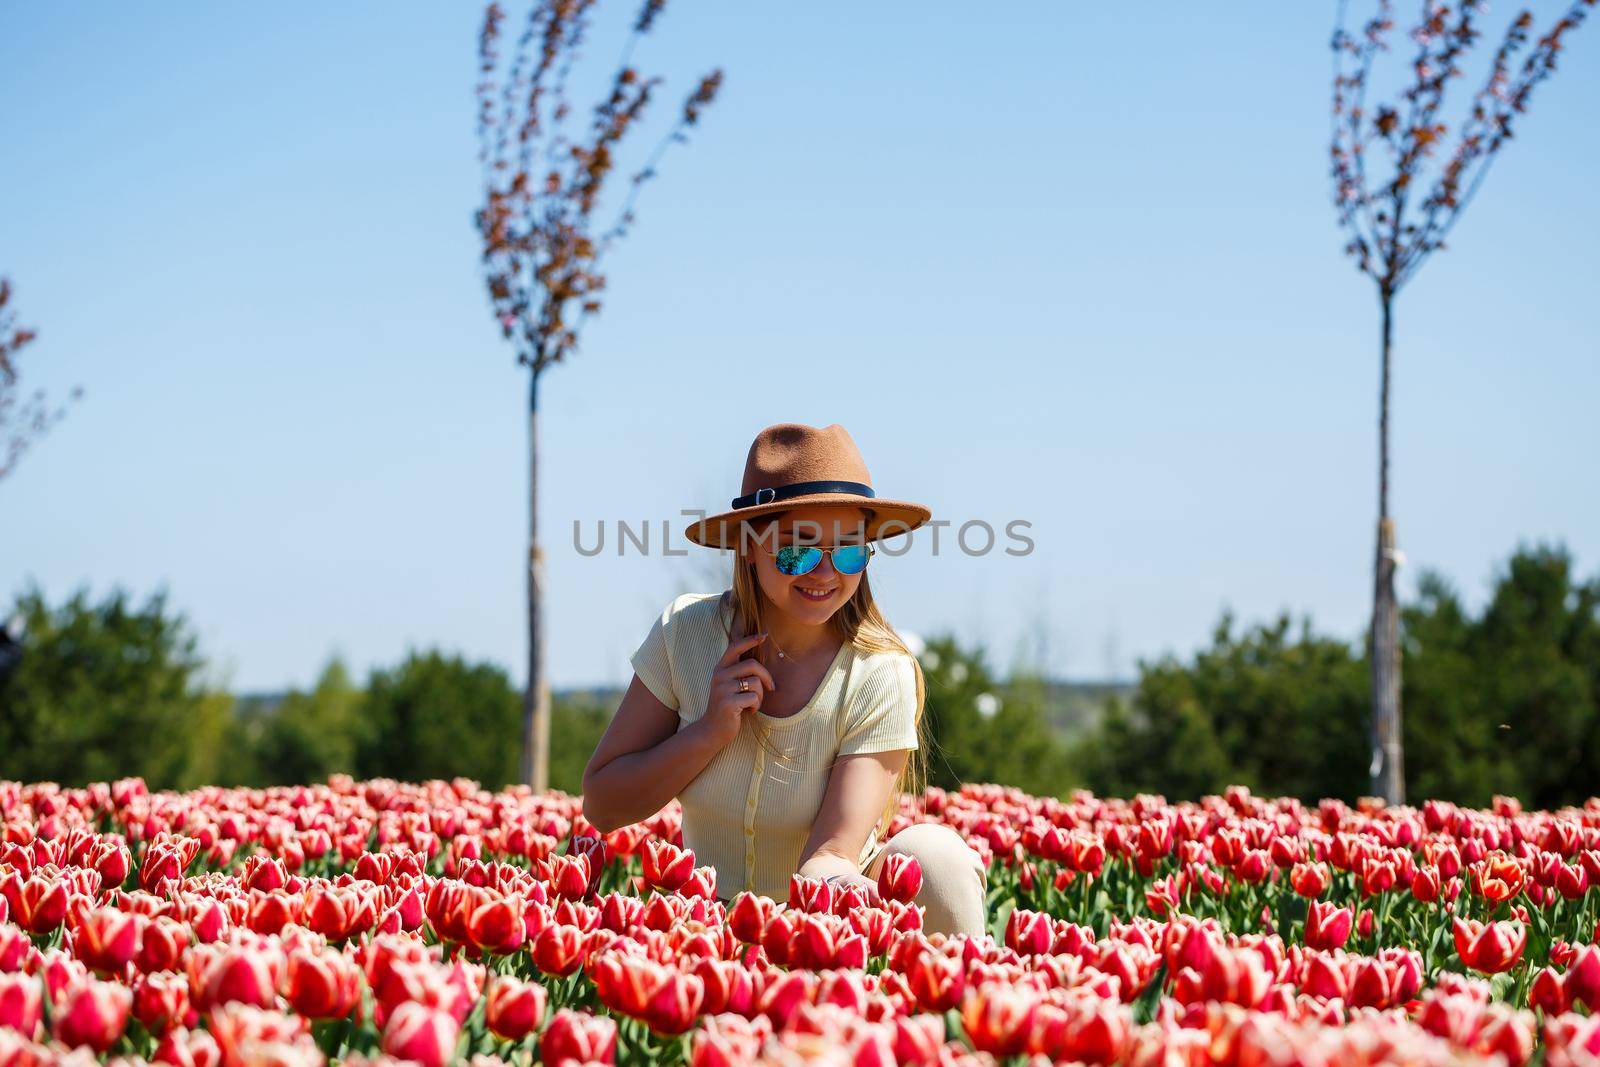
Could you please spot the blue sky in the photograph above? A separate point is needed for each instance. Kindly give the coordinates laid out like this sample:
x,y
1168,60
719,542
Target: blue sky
x,y
1063,263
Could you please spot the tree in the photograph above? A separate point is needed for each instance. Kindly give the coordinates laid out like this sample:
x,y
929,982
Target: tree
x,y
438,716
540,255
576,724
1508,702
1270,708
981,731
1391,235
102,691
1504,701
22,420
312,735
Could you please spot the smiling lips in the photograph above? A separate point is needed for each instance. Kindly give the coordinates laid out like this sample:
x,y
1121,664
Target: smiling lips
x,y
812,594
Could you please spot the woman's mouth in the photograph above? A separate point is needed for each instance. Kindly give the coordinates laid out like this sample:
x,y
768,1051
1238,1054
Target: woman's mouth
x,y
818,595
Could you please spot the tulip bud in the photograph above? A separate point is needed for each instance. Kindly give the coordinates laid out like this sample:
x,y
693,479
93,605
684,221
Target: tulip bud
x,y
415,1031
1328,926
94,1014
1489,947
515,1008
900,877
575,1035
21,1004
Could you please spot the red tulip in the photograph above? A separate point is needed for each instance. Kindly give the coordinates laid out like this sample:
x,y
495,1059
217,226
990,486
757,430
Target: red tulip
x,y
243,975
324,985
38,902
1235,976
729,986
1029,933
21,1003
918,1039
1287,852
270,912
161,1001
335,912
515,1008
558,949
702,882
1328,926
729,1041
497,925
675,1005
569,876
263,872
1081,1028
1086,852
1583,977
417,1032
899,877
997,1019
1425,884
1498,878
161,945
1572,881
1507,1033
576,1035
188,1048
1548,992
810,894
93,1013
812,942
1489,948
108,940
937,981
113,861
1309,879
666,867
1253,867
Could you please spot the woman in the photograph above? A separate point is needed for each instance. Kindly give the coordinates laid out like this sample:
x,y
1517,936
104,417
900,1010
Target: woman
x,y
783,713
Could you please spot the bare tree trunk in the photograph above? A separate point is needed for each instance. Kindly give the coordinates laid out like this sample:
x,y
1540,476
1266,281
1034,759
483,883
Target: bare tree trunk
x,y
536,697
1388,772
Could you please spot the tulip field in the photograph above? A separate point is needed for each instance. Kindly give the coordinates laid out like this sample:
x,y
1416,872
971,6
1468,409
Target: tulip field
x,y
379,922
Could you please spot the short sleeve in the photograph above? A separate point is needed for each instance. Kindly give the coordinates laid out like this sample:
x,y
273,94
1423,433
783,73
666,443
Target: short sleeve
x,y
652,662
884,715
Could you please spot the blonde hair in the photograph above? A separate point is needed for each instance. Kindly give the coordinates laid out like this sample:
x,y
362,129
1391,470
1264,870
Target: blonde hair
x,y
861,624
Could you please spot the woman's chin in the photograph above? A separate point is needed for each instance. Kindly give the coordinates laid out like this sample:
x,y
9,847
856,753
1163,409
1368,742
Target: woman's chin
x,y
810,607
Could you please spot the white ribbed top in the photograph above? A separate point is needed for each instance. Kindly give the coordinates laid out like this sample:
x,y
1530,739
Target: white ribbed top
x,y
748,814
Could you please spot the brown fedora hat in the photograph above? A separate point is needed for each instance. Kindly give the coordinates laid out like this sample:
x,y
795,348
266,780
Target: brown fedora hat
x,y
791,466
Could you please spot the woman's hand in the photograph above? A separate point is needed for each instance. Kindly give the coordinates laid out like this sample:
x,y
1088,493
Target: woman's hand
x,y
867,885
727,705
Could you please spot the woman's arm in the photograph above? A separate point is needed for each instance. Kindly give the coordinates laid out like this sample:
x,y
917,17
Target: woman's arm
x,y
858,790
643,761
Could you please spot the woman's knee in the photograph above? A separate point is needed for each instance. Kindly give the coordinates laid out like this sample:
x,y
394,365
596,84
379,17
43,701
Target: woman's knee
x,y
938,848
954,880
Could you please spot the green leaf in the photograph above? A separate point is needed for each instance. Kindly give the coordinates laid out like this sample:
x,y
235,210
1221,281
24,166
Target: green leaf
x,y
1144,1008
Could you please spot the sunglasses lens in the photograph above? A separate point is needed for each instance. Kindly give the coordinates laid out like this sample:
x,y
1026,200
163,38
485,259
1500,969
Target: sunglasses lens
x,y
795,559
850,559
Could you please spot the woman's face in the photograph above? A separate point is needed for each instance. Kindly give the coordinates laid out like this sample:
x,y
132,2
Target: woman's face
x,y
812,597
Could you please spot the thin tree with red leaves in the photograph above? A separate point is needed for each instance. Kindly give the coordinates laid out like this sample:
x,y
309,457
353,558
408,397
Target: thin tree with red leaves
x,y
541,252
23,418
1398,210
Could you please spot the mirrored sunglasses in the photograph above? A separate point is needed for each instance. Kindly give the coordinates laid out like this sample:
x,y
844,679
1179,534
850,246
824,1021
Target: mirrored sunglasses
x,y
802,559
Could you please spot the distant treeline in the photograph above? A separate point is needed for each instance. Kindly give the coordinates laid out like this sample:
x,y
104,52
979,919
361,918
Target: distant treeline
x,y
1504,700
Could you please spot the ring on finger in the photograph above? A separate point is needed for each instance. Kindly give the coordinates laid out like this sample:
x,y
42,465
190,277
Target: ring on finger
x,y
744,685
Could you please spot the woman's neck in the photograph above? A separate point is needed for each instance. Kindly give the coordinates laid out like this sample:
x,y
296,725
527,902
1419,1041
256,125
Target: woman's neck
x,y
798,640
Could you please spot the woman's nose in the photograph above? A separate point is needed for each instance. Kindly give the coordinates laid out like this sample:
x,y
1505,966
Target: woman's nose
x,y
824,568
